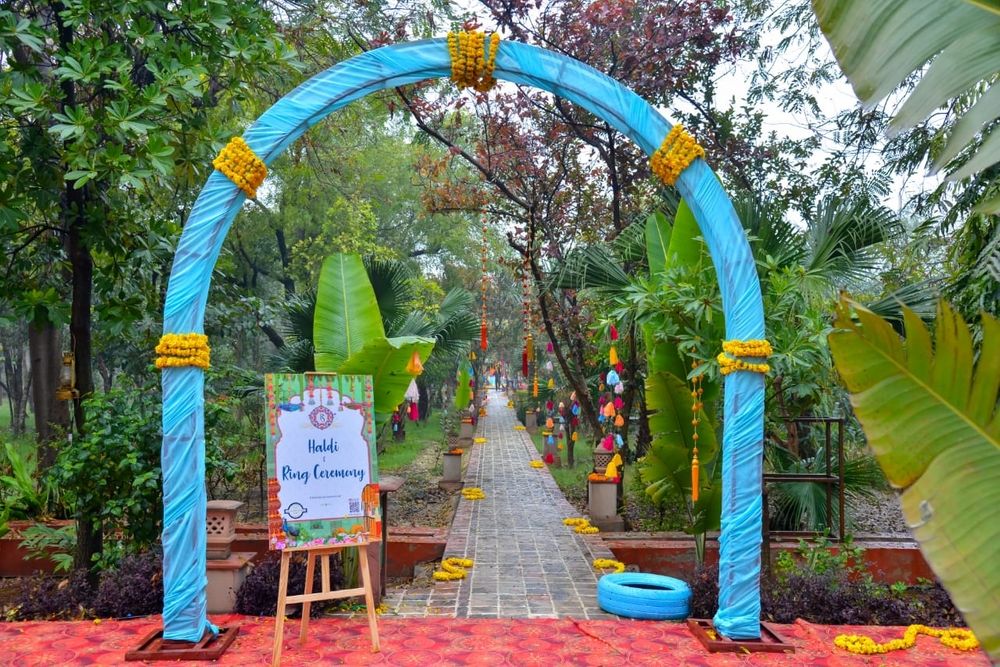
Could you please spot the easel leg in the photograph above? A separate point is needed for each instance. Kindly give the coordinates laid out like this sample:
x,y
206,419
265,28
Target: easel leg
x,y
366,578
279,617
307,606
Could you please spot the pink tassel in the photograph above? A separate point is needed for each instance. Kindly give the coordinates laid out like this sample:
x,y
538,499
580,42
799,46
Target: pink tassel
x,y
614,332
414,412
548,347
619,403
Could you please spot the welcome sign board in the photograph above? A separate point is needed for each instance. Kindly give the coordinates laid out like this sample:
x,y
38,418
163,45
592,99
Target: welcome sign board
x,y
321,460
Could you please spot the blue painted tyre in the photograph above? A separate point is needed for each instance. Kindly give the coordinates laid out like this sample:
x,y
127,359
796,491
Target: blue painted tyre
x,y
641,595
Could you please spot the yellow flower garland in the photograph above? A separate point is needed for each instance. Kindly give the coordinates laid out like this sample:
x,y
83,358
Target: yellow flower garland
x,y
678,150
479,441
957,638
473,57
535,463
608,564
731,349
581,526
178,350
452,569
241,165
473,493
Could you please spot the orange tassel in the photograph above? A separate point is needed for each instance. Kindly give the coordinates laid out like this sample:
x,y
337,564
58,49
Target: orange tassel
x,y
414,366
613,356
694,477
530,345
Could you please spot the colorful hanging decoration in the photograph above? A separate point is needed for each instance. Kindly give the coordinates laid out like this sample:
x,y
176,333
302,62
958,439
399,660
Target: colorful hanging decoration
x,y
414,366
482,319
696,405
678,150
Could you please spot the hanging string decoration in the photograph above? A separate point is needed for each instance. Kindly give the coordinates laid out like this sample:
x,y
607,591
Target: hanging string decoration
x,y
482,318
696,405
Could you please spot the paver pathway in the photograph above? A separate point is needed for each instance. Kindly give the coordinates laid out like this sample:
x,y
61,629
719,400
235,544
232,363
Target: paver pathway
x,y
528,564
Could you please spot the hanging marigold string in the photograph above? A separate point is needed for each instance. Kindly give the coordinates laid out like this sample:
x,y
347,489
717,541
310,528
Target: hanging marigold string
x,y
483,344
957,638
731,349
678,150
178,350
473,56
241,165
696,406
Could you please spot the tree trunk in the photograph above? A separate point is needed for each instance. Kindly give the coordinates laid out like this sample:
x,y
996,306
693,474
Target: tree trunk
x,y
82,266
89,541
51,415
16,383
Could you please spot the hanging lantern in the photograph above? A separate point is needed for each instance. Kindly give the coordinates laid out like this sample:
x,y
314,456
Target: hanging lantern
x,y
608,443
620,388
619,421
609,410
548,347
619,403
472,355
551,383
548,366
619,367
612,378
414,365
549,424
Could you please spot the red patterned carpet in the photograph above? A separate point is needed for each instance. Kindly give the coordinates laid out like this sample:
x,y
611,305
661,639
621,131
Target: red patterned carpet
x,y
444,641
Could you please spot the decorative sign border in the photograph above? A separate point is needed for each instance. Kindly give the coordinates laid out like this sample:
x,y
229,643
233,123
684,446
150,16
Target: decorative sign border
x,y
355,393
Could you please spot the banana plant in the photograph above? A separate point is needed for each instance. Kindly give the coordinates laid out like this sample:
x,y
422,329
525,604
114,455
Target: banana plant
x,y
883,44
349,336
666,468
931,418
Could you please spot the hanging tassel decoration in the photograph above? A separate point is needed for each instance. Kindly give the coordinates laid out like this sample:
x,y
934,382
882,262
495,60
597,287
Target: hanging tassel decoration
x,y
534,387
696,393
414,412
524,362
552,383
614,332
482,336
414,365
530,346
694,476
548,347
613,356
619,421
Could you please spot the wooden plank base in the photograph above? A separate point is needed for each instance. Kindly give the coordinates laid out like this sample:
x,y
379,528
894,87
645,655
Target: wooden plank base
x,y
770,641
211,647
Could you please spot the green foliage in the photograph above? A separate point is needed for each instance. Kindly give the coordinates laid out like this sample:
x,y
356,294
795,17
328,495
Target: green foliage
x,y
350,338
930,416
23,495
822,557
111,475
56,544
881,45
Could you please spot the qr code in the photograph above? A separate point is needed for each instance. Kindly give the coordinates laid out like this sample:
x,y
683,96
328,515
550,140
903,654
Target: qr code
x,y
354,505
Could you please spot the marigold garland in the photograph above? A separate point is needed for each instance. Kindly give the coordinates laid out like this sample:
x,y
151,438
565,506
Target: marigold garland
x,y
241,165
177,350
535,463
452,569
473,493
519,427
608,564
731,349
479,441
957,638
456,450
678,150
581,526
473,57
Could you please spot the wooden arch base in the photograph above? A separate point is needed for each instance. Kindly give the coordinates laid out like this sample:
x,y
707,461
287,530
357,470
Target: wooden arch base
x,y
211,647
770,641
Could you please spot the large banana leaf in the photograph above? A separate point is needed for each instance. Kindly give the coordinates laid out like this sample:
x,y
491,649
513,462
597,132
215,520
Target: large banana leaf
x,y
385,359
347,314
935,429
349,337
657,242
882,43
667,465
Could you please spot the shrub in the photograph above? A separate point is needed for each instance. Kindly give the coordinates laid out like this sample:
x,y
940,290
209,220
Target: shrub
x,y
49,598
133,588
259,594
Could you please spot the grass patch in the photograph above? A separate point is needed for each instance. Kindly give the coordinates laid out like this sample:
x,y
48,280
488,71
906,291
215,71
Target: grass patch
x,y
399,455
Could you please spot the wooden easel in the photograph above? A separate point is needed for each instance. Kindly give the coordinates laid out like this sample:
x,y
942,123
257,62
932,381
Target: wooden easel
x,y
308,597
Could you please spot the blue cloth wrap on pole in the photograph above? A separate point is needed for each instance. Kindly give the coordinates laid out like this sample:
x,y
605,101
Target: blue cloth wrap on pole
x,y
201,242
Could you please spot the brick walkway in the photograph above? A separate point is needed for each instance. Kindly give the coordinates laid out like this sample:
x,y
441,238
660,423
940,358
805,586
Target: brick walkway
x,y
528,564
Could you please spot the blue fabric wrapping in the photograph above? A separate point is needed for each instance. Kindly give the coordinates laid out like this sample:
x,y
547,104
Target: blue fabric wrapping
x,y
201,242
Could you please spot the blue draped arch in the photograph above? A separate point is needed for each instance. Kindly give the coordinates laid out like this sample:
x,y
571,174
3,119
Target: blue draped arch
x,y
183,450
